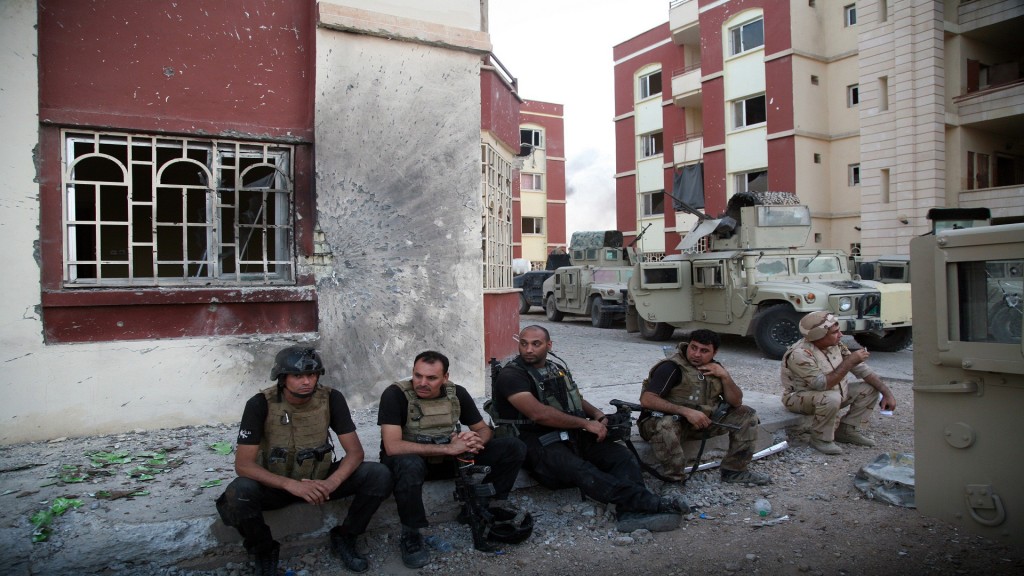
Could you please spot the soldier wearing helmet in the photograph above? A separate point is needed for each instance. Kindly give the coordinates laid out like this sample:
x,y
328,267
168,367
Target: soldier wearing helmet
x,y
285,455
815,382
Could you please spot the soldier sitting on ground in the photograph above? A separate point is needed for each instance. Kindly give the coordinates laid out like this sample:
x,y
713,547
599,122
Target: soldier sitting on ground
x,y
691,396
421,438
285,455
536,399
814,382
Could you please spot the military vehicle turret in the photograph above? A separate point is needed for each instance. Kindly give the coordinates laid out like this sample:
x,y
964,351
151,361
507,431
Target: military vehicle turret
x,y
756,278
595,283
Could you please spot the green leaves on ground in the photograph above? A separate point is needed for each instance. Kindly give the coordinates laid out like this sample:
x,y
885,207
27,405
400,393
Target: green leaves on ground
x,y
42,519
210,483
223,448
101,459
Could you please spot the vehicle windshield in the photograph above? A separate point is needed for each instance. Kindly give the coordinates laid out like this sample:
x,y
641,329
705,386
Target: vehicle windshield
x,y
818,265
611,276
772,267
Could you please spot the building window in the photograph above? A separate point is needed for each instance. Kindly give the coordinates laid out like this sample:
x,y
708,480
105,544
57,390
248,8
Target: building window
x,y
883,10
814,79
853,174
149,211
746,36
883,93
755,181
817,158
651,145
497,232
849,15
852,95
531,181
652,203
531,136
749,112
883,185
533,225
977,170
650,85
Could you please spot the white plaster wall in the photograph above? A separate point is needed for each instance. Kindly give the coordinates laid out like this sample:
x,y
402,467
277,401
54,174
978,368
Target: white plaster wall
x,y
398,198
458,13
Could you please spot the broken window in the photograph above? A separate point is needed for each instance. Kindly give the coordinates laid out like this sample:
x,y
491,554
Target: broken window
x,y
147,211
650,85
749,111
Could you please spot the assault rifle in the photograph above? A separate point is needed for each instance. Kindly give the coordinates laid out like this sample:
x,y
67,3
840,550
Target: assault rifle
x,y
473,496
719,413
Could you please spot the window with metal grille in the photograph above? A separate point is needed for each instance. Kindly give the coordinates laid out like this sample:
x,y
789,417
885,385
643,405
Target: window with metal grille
x,y
496,186
158,210
746,36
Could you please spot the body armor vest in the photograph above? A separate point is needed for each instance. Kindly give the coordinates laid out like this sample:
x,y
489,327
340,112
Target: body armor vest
x,y
695,390
430,420
556,389
296,441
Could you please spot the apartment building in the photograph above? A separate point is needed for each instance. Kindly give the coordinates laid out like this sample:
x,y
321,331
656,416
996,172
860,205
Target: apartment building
x,y
941,114
872,112
745,95
540,196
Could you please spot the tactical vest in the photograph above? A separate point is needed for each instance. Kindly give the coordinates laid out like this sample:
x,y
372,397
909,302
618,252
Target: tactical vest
x,y
557,390
430,420
695,390
296,442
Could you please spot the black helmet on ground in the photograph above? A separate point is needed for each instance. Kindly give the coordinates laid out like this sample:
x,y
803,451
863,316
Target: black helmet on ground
x,y
508,525
296,360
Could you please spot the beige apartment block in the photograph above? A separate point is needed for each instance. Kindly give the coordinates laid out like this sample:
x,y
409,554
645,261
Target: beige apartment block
x,y
941,114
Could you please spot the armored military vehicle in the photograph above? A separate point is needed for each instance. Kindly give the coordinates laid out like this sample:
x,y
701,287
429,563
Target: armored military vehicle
x,y
595,283
969,377
755,278
532,283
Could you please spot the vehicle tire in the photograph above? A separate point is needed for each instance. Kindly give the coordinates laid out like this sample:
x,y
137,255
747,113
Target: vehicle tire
x,y
598,317
776,328
551,311
656,331
524,306
1006,325
892,341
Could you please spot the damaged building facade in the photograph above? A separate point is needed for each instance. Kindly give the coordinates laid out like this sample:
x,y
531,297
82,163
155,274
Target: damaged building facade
x,y
192,186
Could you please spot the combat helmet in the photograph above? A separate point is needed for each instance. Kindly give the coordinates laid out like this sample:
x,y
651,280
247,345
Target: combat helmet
x,y
296,360
508,525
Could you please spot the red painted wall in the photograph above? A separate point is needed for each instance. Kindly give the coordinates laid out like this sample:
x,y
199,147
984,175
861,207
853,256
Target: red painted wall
x,y
501,323
499,108
551,117
206,68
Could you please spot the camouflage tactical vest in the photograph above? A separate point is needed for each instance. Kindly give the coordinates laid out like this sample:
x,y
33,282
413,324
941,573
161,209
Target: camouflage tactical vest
x,y
695,390
296,441
433,418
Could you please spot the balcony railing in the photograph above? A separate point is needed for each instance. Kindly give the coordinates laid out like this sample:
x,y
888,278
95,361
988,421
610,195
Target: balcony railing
x,y
991,103
688,149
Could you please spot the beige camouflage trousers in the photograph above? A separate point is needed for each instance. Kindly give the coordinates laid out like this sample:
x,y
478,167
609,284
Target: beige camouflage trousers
x,y
666,436
825,405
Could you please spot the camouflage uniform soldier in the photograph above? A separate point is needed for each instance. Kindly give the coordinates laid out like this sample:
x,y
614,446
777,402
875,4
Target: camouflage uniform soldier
x,y
814,382
680,397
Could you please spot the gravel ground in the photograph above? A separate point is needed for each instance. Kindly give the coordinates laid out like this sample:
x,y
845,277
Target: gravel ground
x,y
831,527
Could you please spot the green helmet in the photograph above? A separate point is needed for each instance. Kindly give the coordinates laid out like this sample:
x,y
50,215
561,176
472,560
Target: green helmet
x,y
296,360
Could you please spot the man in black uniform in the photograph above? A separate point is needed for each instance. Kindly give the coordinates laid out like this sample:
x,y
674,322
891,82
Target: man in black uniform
x,y
536,399
420,438
285,455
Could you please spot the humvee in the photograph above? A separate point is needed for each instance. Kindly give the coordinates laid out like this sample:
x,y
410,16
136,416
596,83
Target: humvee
x,y
969,377
756,278
595,284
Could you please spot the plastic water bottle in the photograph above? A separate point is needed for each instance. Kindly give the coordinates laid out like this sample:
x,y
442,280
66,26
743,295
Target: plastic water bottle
x,y
438,544
763,507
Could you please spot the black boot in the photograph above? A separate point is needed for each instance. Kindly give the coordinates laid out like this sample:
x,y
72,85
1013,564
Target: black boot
x,y
343,545
414,553
266,559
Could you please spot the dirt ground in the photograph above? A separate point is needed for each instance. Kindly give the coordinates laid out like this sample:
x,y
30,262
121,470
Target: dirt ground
x,y
832,528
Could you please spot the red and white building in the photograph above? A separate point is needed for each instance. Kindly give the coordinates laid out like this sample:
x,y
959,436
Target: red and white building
x,y
540,195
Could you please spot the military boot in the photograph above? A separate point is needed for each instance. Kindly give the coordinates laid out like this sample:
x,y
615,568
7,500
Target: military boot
x,y
826,447
266,559
414,552
744,477
849,435
652,521
343,546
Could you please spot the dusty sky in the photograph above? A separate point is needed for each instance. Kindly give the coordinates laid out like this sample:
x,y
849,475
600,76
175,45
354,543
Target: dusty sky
x,y
561,51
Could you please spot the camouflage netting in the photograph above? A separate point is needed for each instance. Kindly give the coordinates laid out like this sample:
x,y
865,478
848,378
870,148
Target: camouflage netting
x,y
743,199
596,239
